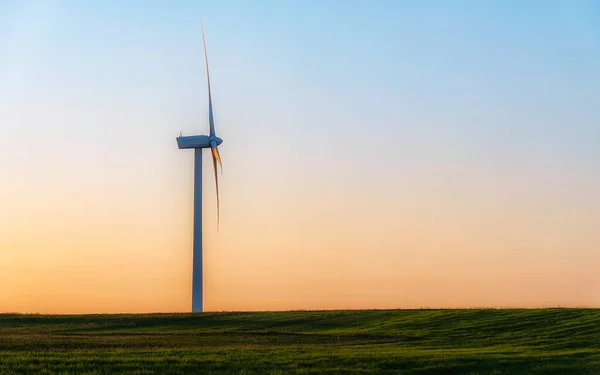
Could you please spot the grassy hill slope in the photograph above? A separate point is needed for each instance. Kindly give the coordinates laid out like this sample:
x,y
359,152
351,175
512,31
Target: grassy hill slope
x,y
542,341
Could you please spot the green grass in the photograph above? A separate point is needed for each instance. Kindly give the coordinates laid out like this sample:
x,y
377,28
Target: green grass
x,y
541,341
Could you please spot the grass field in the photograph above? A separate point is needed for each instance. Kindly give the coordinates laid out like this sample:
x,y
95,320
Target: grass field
x,y
544,341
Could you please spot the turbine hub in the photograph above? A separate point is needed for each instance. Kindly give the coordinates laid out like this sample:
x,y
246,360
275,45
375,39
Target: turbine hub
x,y
215,139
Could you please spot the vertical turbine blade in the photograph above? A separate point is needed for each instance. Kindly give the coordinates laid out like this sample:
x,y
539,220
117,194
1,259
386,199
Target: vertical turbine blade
x,y
215,157
211,121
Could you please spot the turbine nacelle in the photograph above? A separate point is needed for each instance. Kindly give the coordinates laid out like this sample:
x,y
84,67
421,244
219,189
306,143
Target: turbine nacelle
x,y
198,141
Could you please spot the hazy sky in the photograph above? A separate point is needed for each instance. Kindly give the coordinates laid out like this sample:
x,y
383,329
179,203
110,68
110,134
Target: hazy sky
x,y
377,154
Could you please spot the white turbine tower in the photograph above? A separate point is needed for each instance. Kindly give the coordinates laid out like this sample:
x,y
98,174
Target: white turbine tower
x,y
198,142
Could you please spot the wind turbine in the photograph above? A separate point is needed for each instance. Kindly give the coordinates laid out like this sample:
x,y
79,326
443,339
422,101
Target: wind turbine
x,y
199,142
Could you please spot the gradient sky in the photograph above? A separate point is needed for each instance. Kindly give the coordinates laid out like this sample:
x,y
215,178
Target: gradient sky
x,y
377,154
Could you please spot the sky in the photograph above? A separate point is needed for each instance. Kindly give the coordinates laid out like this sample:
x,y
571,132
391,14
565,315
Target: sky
x,y
377,154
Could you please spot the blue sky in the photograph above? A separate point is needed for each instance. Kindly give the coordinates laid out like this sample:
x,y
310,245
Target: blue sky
x,y
338,117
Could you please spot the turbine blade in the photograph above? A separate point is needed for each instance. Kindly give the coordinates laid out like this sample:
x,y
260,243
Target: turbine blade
x,y
215,157
211,122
